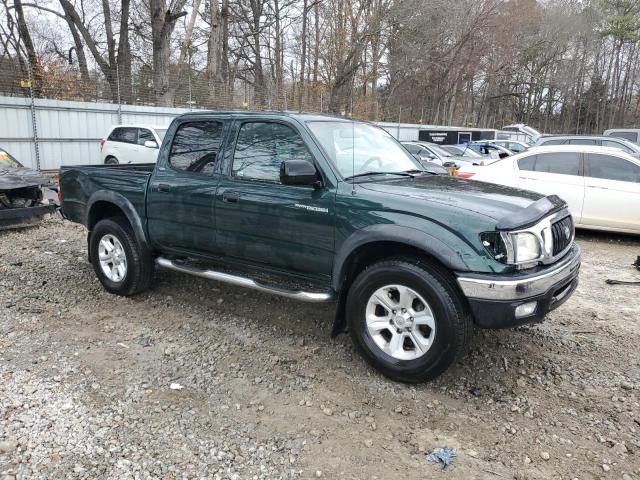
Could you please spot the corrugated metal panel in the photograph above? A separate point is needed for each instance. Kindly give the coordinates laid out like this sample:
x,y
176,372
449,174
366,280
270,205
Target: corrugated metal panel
x,y
68,132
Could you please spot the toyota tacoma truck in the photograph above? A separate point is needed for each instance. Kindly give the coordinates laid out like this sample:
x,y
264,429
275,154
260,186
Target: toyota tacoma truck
x,y
325,209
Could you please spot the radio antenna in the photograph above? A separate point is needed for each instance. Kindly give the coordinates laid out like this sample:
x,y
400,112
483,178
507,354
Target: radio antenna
x,y
353,157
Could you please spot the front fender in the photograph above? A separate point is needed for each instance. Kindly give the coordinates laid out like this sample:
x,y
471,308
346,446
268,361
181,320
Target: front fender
x,y
398,234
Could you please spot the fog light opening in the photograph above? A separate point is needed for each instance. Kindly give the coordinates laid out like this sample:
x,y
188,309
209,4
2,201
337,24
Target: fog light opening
x,y
526,309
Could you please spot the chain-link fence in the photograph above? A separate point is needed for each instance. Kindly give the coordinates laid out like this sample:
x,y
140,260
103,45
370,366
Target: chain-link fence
x,y
183,87
57,114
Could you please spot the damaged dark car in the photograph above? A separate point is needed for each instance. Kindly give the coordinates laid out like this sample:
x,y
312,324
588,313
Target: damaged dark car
x,y
21,194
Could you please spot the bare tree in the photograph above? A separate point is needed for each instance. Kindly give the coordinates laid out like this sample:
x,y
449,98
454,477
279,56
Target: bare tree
x,y
163,21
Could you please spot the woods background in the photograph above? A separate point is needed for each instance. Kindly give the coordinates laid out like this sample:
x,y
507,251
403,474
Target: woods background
x,y
558,65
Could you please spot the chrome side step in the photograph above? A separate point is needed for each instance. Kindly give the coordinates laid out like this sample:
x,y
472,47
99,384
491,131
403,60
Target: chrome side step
x,y
245,282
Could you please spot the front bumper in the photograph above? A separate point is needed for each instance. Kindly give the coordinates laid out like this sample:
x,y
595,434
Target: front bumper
x,y
21,217
494,299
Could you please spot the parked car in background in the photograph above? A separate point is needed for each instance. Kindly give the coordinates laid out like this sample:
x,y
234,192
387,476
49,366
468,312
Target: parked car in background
x,y
601,185
431,152
489,150
593,140
21,194
513,146
630,134
531,133
132,144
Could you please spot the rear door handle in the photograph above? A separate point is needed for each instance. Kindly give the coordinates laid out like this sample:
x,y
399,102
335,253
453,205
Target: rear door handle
x,y
597,186
230,197
163,187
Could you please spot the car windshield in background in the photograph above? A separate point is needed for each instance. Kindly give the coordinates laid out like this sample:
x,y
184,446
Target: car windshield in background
x,y
7,161
441,152
357,148
161,133
460,151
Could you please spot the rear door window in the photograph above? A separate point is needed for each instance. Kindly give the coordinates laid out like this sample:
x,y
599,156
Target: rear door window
x,y
562,163
608,167
582,141
195,147
614,144
631,136
515,147
124,135
553,142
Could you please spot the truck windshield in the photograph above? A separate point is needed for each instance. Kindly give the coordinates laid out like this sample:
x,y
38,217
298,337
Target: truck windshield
x,y
357,148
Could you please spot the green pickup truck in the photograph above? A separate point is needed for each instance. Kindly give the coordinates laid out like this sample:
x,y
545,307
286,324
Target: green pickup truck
x,y
324,209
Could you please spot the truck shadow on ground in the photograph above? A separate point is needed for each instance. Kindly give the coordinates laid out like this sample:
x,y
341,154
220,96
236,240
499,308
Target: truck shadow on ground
x,y
492,366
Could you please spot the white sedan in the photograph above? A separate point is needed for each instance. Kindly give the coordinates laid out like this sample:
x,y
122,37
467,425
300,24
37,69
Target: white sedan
x,y
601,185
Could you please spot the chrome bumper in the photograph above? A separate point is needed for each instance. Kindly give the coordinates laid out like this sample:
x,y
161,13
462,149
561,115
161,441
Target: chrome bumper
x,y
520,287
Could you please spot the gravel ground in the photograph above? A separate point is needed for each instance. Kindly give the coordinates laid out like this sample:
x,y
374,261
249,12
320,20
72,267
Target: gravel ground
x,y
195,379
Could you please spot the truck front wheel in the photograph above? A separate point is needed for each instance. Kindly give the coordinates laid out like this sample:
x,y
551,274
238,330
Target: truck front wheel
x,y
122,266
407,319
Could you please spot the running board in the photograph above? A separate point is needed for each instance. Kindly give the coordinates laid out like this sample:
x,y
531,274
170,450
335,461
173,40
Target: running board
x,y
245,282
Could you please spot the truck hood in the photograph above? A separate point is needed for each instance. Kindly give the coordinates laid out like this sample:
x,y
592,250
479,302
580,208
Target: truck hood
x,y
494,201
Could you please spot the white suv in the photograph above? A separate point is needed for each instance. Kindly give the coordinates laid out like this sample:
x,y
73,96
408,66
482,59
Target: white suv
x,y
132,144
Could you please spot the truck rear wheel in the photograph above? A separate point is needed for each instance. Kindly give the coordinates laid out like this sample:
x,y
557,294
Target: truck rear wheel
x,y
121,265
407,319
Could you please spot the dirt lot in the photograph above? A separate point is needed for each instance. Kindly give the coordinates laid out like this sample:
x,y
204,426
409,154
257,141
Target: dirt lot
x,y
86,377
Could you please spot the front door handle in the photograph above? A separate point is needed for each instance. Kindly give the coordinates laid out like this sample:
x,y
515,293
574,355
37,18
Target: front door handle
x,y
162,187
230,197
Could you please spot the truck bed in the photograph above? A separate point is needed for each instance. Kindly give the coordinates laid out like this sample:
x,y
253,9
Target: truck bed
x,y
81,182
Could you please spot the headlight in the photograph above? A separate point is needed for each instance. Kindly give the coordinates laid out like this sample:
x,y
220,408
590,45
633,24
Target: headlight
x,y
527,247
519,248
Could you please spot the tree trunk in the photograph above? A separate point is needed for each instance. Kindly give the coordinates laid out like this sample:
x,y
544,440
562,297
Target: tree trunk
x,y
316,48
258,74
124,56
277,53
163,21
214,59
25,37
303,55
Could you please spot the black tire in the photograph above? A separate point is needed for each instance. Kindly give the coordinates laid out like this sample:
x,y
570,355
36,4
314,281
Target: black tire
x,y
454,325
111,161
139,262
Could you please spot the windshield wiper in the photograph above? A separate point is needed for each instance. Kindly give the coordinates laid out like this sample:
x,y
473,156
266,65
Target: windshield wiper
x,y
408,173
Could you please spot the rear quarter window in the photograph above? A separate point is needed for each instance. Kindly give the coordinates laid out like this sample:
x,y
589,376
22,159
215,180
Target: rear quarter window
x,y
527,163
631,136
608,167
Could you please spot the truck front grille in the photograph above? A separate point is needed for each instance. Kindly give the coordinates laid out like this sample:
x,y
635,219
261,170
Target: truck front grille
x,y
562,233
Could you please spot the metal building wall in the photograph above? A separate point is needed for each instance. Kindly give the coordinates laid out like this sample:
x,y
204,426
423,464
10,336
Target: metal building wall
x,y
68,132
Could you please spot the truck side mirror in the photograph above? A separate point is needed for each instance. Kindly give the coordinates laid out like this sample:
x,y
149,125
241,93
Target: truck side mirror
x,y
299,172
150,144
